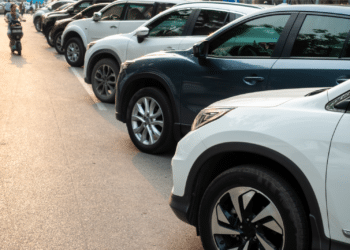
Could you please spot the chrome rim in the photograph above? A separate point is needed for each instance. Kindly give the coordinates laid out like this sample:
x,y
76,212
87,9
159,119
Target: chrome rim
x,y
73,52
147,120
59,43
244,218
106,79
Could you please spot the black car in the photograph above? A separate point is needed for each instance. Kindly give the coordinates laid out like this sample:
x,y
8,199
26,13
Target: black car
x,y
57,30
48,22
282,47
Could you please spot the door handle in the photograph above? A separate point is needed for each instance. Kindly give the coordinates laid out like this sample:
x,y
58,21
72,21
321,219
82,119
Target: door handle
x,y
113,27
341,80
252,80
170,48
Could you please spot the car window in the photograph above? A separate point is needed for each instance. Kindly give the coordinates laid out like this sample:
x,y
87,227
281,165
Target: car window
x,y
57,5
209,21
113,13
163,6
139,12
171,24
81,7
90,11
321,36
254,38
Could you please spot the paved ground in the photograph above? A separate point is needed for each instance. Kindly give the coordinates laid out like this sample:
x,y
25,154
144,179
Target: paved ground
x,y
70,178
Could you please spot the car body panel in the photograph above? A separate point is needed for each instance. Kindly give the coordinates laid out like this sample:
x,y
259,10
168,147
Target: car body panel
x,y
338,184
77,27
270,127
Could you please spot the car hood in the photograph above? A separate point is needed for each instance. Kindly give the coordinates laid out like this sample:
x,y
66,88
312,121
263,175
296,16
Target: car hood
x,y
167,54
64,21
269,98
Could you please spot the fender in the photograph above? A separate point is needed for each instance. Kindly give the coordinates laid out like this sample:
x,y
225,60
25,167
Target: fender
x,y
94,55
158,76
73,29
186,204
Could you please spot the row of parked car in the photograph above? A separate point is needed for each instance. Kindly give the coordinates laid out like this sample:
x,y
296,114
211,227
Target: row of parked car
x,y
263,170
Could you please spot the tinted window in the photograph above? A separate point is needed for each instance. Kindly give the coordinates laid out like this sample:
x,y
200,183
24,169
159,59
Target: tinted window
x,y
90,11
254,38
163,6
172,24
321,36
81,7
113,13
139,12
209,21
57,5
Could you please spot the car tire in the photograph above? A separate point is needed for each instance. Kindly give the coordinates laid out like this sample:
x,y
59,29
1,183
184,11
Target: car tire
x,y
104,79
37,24
74,52
57,43
153,133
251,204
48,36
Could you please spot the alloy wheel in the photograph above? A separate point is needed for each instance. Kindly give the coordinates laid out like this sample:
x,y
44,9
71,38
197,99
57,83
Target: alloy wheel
x,y
106,80
244,219
147,120
59,43
38,25
73,52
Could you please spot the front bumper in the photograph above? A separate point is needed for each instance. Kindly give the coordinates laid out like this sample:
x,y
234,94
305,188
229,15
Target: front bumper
x,y
180,206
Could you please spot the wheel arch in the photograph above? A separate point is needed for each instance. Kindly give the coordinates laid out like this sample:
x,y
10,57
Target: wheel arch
x,y
73,33
220,158
97,56
143,80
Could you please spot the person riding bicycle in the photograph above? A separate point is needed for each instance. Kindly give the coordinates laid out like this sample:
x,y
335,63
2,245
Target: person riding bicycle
x,y
12,19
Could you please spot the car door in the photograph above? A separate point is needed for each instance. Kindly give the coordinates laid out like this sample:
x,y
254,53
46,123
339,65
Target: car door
x,y
338,184
239,61
136,15
315,55
165,33
206,21
109,23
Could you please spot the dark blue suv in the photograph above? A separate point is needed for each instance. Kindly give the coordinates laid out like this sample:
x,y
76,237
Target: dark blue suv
x,y
159,95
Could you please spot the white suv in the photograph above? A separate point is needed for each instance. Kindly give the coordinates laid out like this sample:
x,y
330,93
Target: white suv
x,y
175,29
268,170
117,17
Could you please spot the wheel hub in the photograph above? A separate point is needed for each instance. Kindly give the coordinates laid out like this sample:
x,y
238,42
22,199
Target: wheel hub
x,y
250,218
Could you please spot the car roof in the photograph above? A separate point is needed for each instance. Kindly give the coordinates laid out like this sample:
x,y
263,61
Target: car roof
x,y
310,8
228,6
143,1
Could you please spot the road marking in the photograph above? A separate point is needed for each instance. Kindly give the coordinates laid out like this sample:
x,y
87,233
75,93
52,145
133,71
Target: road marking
x,y
89,90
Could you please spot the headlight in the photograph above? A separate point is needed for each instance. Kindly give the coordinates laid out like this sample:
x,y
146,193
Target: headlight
x,y
90,45
208,115
125,65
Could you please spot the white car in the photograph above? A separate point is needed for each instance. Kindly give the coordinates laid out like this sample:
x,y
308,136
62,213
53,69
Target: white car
x,y
117,17
268,170
50,7
178,28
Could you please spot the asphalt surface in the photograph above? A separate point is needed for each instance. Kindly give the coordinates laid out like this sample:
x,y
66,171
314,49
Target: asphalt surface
x,y
70,178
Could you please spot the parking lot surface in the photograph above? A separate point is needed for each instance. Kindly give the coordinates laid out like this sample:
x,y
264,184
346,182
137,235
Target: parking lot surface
x,y
70,177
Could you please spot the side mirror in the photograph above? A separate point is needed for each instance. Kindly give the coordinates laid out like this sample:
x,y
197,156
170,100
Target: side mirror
x,y
70,10
50,8
141,33
200,50
97,16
